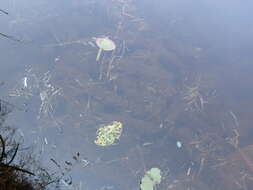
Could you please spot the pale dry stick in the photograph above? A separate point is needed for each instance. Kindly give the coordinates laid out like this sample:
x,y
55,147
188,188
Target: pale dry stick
x,y
134,19
124,13
202,101
234,118
65,43
246,159
46,97
123,50
244,177
120,25
111,64
101,69
109,68
219,164
188,171
194,98
116,160
241,184
46,106
235,143
80,41
202,161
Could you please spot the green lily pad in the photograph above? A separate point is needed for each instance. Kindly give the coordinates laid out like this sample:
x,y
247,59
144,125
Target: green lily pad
x,y
146,183
105,44
155,175
151,178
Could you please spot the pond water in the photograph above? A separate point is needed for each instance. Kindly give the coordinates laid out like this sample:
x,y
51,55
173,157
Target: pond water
x,y
181,73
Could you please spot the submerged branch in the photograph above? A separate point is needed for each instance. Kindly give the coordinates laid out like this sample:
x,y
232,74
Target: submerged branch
x,y
3,148
16,168
2,11
14,155
10,37
8,166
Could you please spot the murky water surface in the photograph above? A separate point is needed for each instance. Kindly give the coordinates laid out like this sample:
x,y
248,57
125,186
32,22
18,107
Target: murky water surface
x,y
179,81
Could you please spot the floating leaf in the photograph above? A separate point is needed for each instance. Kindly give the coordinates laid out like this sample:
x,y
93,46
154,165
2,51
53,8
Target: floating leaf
x,y
146,183
105,44
155,175
151,178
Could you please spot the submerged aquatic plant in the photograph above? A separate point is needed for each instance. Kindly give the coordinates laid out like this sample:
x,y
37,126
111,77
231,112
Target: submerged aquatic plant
x,y
150,179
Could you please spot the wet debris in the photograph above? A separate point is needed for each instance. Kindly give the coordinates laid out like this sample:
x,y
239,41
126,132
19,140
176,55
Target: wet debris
x,y
65,169
197,94
32,84
5,107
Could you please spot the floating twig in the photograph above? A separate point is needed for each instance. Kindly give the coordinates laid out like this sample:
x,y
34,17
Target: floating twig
x,y
14,155
234,118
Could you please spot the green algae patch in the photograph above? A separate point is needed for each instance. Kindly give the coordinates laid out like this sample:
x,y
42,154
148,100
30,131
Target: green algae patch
x,y
108,134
